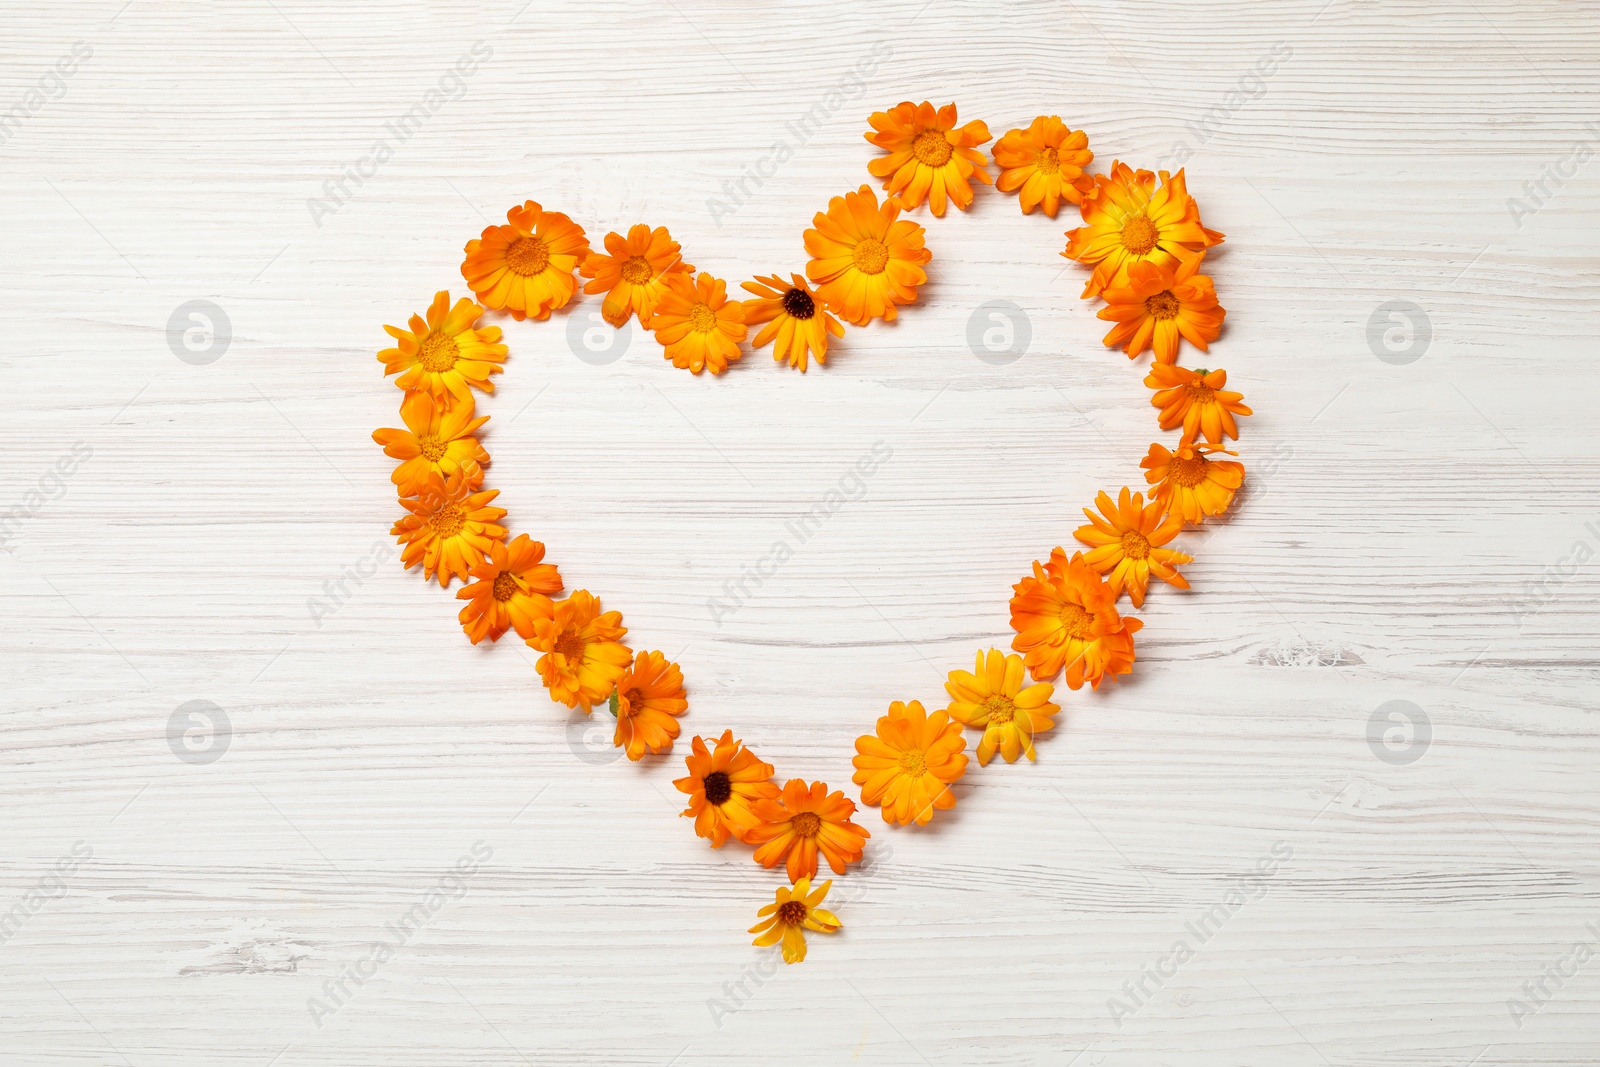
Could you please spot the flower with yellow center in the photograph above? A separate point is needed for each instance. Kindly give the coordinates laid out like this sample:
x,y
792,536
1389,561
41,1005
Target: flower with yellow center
x,y
697,325
866,259
1065,614
791,913
633,272
450,527
1189,482
648,698
1043,164
909,763
724,783
803,821
1158,305
792,316
930,157
526,267
1197,401
1129,219
511,589
583,651
993,699
444,355
437,440
1126,542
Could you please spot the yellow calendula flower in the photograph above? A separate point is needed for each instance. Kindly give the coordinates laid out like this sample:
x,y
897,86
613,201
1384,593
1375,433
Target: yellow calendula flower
x,y
1127,544
793,317
583,651
865,259
792,912
930,157
526,267
444,355
1043,164
994,699
1129,219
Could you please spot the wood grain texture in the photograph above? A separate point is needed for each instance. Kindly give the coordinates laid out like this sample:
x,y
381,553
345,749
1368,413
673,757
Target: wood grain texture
x,y
1383,550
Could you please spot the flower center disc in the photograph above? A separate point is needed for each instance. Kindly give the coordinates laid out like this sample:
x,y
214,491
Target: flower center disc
x,y
871,256
1139,235
718,787
807,823
1000,709
702,319
932,147
635,700
505,585
797,304
448,520
570,645
1135,545
637,270
1049,161
1163,305
528,255
914,764
1188,472
792,912
439,352
431,447
1079,623
1201,394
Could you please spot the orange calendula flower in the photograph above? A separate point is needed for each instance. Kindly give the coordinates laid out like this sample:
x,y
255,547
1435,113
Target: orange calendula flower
x,y
929,156
444,355
802,822
633,272
1189,482
437,440
648,699
583,651
866,259
908,765
792,316
450,527
1129,219
513,588
1158,305
697,324
1065,614
1195,400
793,912
1126,542
994,699
1043,164
723,785
526,267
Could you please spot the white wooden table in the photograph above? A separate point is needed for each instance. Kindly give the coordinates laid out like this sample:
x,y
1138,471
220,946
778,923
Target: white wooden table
x,y
174,520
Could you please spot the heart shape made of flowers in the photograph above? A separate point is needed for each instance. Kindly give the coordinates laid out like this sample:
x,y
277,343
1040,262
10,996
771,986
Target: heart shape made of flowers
x,y
1144,243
